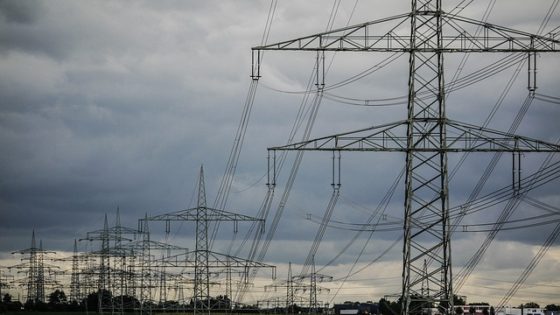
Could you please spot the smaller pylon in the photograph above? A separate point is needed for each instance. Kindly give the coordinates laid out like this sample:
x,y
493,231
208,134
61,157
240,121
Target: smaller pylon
x,y
34,268
290,291
75,277
146,276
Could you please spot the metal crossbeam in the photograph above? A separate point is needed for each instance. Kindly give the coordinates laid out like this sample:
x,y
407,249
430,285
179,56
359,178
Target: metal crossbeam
x,y
392,138
393,35
215,260
211,215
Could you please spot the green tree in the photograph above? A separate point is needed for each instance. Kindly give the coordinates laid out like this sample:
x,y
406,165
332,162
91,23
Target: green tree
x,y
90,303
58,301
387,307
29,305
15,306
458,300
531,305
7,298
57,297
552,307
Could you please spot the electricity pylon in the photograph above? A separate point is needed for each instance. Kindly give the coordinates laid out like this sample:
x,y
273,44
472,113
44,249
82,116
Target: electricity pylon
x,y
290,286
204,259
298,284
143,272
75,290
314,277
38,274
112,283
426,136
3,280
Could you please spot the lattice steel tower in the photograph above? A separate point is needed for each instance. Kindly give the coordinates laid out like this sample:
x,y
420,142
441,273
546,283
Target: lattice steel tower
x,y
427,135
201,271
37,273
75,292
204,258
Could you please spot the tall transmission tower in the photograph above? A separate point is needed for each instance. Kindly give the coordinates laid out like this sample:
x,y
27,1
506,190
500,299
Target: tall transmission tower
x,y
37,273
204,259
426,136
145,271
290,291
103,272
75,292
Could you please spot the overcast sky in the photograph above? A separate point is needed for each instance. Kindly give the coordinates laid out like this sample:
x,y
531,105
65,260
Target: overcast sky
x,y
107,104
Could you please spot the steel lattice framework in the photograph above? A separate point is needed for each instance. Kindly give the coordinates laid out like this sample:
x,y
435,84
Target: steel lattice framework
x,y
75,292
204,258
38,274
298,284
423,136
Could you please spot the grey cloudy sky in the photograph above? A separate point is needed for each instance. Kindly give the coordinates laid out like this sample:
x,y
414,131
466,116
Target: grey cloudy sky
x,y
107,104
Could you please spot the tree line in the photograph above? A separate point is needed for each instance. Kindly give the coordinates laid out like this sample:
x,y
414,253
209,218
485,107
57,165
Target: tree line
x,y
58,302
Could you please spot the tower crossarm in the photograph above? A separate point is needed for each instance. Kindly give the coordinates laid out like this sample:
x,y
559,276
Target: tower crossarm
x,y
278,285
307,288
112,233
215,260
319,277
211,215
221,260
358,37
33,250
464,137
154,245
459,34
461,137
492,38
283,285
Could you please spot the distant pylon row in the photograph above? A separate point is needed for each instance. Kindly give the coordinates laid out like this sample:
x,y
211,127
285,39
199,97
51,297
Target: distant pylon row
x,y
122,269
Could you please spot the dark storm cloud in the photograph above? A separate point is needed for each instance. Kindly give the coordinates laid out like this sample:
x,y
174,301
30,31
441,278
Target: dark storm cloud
x,y
22,12
27,26
97,114
114,104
